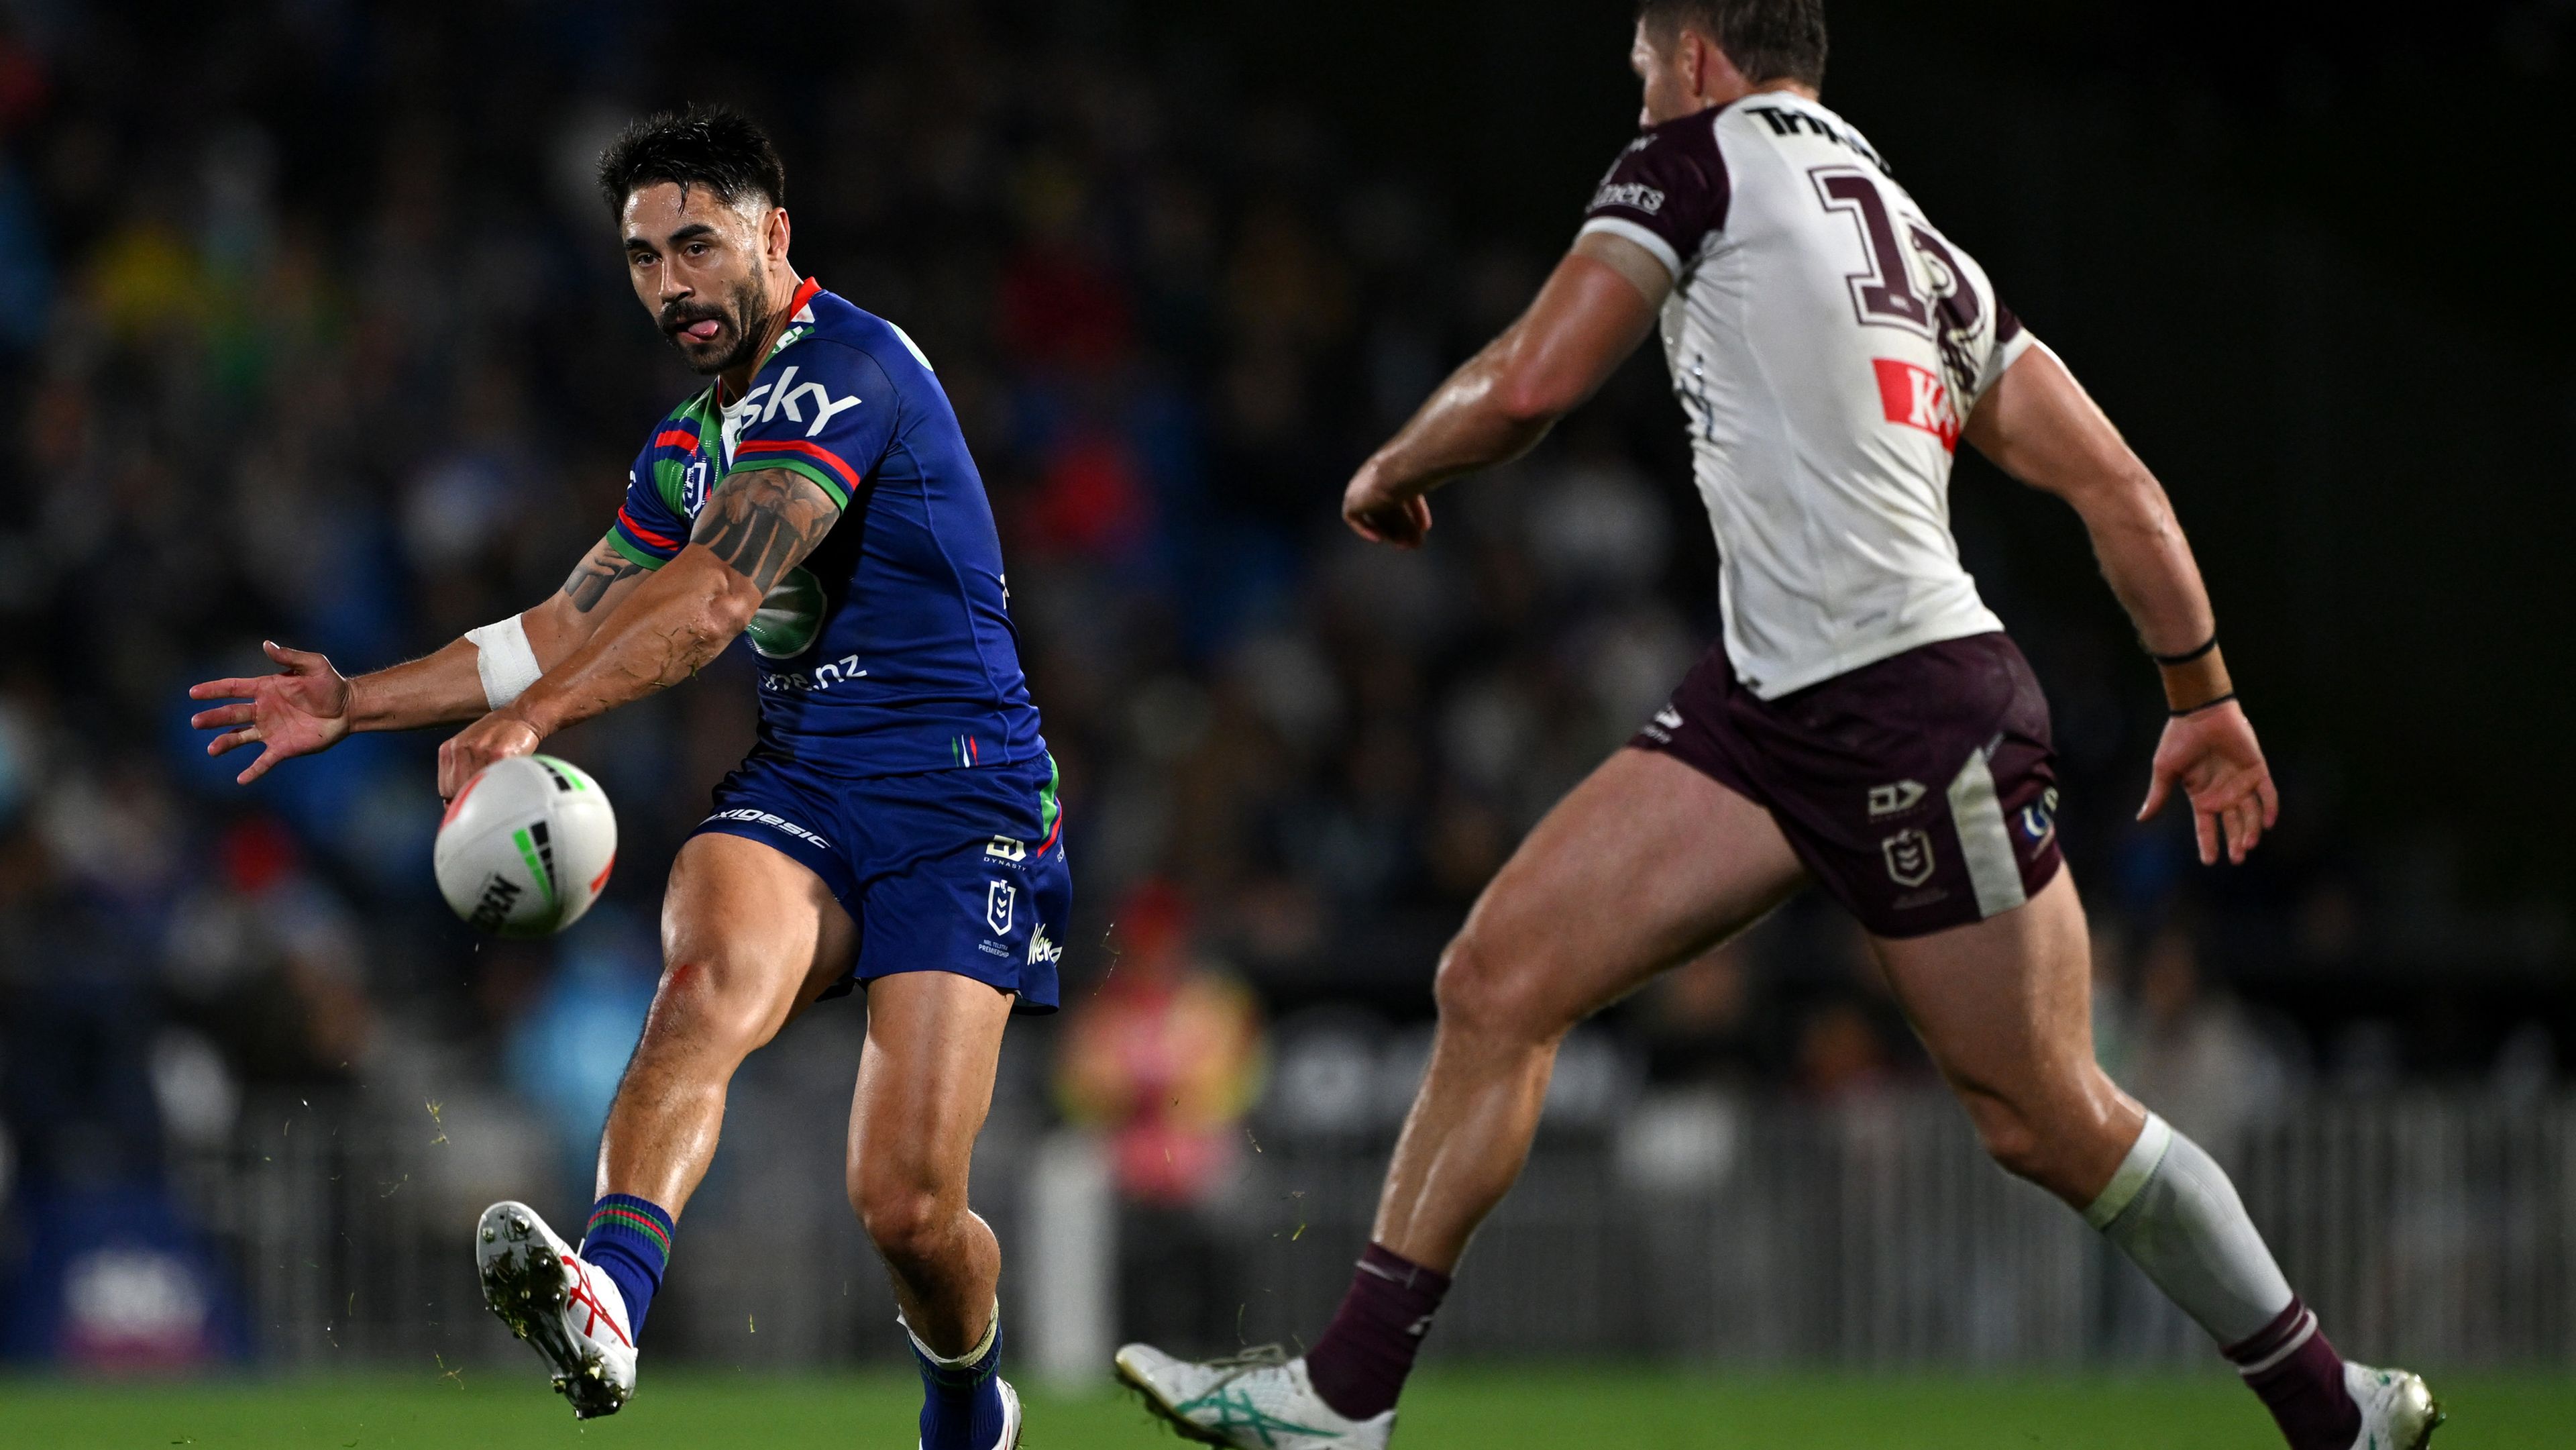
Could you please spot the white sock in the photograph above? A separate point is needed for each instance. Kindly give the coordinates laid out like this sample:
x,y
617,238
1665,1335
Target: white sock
x,y
2171,1209
983,1346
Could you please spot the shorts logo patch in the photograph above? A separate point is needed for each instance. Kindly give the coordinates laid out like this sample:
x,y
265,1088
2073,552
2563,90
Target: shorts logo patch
x,y
2039,819
1887,800
746,813
1669,718
1042,950
1007,848
1909,857
999,897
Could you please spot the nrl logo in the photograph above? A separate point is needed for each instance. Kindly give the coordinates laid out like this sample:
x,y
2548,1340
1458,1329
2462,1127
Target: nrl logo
x,y
999,897
1909,857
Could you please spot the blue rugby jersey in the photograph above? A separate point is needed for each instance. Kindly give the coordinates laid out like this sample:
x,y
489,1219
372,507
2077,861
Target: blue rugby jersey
x,y
890,649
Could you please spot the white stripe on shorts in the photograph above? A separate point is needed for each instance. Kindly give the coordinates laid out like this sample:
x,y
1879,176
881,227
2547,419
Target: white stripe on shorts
x,y
1985,842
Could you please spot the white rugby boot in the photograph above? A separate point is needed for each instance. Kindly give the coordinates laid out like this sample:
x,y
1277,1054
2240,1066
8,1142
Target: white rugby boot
x,y
1255,1401
573,1315
2397,1411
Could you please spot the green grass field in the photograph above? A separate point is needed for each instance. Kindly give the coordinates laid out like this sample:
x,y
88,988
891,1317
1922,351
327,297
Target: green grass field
x,y
1559,1408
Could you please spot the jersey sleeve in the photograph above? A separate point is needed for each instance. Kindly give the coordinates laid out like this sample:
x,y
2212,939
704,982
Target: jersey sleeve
x,y
823,410
1665,193
648,529
2011,341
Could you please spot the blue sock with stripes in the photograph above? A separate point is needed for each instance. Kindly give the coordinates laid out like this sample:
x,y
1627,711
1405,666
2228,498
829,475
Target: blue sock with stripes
x,y
629,1240
961,1398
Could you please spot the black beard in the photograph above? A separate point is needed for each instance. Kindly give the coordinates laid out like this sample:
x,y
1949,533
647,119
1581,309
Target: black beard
x,y
748,314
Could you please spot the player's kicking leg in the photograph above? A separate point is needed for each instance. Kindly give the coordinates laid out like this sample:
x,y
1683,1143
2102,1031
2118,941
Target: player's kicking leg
x,y
925,1084
749,939
2004,1006
1646,864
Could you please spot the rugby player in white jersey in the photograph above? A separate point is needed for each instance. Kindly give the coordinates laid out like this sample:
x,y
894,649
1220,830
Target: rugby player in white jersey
x,y
1863,723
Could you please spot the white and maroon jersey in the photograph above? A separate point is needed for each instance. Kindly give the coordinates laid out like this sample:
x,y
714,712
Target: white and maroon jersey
x,y
1827,343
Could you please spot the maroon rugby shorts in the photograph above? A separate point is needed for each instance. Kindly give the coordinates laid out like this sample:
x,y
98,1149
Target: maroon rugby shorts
x,y
1920,790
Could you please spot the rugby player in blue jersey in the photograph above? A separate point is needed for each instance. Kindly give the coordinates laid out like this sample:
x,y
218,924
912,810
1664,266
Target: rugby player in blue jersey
x,y
896,827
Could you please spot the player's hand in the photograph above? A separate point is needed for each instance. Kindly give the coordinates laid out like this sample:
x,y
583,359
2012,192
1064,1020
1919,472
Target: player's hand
x,y
2214,757
1385,515
302,709
496,736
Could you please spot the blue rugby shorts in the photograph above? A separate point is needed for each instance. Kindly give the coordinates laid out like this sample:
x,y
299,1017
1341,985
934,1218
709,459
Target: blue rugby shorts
x,y
957,871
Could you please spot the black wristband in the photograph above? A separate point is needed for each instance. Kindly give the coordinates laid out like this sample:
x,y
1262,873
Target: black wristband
x,y
2209,704
2187,656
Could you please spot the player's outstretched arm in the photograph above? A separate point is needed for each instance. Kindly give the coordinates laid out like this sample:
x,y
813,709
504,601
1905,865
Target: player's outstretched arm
x,y
759,525
307,706
2038,424
1594,310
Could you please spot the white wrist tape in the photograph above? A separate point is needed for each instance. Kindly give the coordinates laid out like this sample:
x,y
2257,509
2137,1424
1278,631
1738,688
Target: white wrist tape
x,y
507,663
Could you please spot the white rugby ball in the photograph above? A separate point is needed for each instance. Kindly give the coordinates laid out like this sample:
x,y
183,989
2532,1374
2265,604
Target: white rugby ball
x,y
526,846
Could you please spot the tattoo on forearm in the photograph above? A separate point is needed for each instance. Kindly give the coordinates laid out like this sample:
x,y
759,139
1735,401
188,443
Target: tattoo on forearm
x,y
759,525
604,570
762,523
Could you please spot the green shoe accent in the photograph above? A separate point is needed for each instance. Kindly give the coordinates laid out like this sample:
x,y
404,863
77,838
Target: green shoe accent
x,y
1236,1411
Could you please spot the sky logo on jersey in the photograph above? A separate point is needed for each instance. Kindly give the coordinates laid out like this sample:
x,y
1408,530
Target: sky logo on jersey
x,y
1917,398
788,396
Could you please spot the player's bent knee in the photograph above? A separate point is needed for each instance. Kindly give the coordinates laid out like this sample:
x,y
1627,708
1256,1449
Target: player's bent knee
x,y
2018,1145
2044,1149
2016,1148
711,1005
906,1222
1493,992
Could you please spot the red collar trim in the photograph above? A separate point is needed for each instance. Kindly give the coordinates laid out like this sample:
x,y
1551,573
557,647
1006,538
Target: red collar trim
x,y
806,291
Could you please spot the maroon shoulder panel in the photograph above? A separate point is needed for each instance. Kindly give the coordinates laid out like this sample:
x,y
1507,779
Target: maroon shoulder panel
x,y
1672,181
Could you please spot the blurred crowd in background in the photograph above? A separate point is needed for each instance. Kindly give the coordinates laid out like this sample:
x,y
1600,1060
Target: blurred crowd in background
x,y
322,338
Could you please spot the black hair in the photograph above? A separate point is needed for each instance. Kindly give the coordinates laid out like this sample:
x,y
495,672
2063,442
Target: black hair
x,y
716,147
1769,40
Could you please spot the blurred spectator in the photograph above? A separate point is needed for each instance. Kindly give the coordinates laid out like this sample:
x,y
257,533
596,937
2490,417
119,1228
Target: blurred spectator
x,y
1696,1019
2198,1058
567,1051
266,961
1164,1057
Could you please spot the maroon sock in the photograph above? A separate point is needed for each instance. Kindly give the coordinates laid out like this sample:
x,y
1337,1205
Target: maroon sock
x,y
2299,1377
1360,1364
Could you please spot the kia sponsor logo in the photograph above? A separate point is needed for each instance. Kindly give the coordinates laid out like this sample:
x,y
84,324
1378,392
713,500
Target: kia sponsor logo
x,y
1917,398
